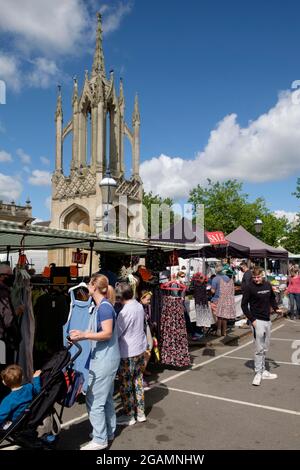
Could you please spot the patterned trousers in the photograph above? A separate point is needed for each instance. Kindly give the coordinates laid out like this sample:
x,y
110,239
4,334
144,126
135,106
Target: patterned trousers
x,y
131,385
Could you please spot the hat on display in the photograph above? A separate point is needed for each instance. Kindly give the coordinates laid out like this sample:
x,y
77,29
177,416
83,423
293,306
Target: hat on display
x,y
164,276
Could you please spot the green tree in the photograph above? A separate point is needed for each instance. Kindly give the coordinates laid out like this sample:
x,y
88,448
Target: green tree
x,y
292,239
149,201
226,207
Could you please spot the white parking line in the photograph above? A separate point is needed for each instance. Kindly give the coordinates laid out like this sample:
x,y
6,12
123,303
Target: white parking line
x,y
273,360
284,339
73,421
230,400
195,366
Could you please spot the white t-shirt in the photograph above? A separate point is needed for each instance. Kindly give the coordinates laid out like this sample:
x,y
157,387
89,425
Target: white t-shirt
x,y
131,333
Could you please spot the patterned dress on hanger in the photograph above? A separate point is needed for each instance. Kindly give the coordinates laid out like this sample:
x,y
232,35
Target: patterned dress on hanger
x,y
226,303
173,335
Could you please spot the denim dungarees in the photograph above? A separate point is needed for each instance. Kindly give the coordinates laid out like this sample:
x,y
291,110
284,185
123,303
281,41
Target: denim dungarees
x,y
103,366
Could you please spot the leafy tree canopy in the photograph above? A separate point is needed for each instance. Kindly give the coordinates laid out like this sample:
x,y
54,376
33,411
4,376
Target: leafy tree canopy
x,y
226,207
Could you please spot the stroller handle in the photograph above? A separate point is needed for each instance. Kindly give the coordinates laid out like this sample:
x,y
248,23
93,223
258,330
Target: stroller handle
x,y
77,345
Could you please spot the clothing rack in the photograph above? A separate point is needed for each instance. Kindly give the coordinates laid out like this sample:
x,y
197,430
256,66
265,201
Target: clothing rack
x,y
51,284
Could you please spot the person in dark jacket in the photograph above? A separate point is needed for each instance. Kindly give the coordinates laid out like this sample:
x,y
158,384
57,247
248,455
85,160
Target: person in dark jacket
x,y
257,303
247,277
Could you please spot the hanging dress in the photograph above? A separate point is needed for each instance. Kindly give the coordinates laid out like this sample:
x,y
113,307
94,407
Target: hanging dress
x,y
79,319
204,316
173,335
21,295
226,303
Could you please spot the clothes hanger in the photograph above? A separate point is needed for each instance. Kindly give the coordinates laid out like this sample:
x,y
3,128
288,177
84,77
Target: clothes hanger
x,y
81,284
170,285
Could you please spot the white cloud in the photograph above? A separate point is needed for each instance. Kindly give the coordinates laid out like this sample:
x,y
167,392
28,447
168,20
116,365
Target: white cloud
x,y
113,16
291,216
266,150
45,161
9,70
57,27
42,32
23,156
37,220
10,188
40,178
48,202
5,156
45,26
43,73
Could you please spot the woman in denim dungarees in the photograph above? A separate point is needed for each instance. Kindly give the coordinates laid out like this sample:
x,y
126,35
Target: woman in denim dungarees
x,y
103,363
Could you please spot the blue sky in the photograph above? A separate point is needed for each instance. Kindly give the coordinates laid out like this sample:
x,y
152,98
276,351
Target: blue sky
x,y
214,83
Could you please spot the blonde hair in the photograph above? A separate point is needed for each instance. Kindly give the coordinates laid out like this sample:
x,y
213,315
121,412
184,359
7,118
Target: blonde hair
x,y
102,285
180,273
294,271
145,293
258,271
12,376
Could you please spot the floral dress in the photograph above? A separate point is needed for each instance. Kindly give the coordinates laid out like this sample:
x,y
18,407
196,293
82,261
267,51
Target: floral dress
x,y
173,334
226,304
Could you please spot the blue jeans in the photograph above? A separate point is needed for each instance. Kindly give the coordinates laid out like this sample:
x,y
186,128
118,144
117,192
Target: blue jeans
x,y
100,404
294,303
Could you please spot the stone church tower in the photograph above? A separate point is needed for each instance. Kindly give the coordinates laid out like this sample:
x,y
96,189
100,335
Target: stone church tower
x,y
76,196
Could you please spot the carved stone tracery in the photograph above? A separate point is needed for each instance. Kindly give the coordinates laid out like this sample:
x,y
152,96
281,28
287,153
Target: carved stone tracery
x,y
79,183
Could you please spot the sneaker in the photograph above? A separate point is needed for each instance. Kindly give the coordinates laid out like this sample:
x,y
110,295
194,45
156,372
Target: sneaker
x,y
267,375
197,337
141,418
110,438
200,335
146,385
94,446
257,379
126,420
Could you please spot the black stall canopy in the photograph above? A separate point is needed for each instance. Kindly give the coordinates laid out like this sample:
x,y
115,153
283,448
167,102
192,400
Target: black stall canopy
x,y
257,248
197,243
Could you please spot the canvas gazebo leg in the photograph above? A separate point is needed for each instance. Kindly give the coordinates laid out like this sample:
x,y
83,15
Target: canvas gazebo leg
x,y
203,262
91,256
7,253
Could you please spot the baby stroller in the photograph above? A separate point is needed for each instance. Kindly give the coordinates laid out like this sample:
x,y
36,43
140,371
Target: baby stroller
x,y
23,431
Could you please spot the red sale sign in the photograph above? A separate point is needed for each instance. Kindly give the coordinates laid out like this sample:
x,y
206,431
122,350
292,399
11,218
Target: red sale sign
x,y
216,238
79,257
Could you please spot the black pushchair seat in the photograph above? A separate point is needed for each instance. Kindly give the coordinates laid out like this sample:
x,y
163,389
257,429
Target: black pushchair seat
x,y
23,432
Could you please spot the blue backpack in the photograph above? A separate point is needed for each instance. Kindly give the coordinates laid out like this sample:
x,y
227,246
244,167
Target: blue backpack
x,y
74,382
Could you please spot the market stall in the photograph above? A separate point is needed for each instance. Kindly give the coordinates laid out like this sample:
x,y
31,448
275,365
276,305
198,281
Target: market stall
x,y
257,248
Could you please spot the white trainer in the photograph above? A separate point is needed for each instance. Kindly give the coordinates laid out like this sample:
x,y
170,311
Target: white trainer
x,y
110,438
94,446
126,420
267,375
257,379
141,418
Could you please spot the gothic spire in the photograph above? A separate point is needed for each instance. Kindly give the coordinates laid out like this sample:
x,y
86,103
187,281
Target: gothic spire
x,y
121,92
98,64
59,111
75,90
136,113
